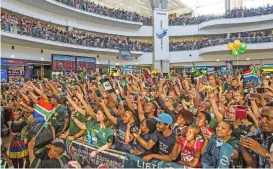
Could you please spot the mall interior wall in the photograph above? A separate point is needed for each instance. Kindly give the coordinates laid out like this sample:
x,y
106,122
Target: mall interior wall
x,y
30,53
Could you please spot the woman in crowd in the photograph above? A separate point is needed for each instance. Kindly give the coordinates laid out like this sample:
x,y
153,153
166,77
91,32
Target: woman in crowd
x,y
18,148
183,120
221,150
98,132
147,128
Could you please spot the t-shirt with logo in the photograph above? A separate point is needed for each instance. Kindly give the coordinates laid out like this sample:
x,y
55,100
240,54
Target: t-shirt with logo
x,y
188,151
120,137
98,136
241,130
235,143
165,144
139,147
58,116
73,128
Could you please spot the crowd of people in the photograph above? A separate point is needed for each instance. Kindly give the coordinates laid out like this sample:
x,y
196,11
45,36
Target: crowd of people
x,y
234,13
92,7
35,28
247,37
204,121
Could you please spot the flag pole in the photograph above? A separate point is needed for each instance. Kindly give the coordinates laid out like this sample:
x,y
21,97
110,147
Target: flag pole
x,y
43,125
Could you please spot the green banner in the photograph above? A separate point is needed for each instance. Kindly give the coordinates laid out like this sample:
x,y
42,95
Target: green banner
x,y
133,161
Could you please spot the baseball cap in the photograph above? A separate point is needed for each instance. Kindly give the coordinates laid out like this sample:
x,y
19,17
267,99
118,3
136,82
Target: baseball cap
x,y
54,96
165,118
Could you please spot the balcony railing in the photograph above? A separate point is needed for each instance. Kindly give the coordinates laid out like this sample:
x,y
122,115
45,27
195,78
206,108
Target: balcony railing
x,y
113,13
237,13
96,41
208,43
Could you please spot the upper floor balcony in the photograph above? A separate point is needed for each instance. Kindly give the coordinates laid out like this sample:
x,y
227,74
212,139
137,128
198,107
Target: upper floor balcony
x,y
65,13
79,11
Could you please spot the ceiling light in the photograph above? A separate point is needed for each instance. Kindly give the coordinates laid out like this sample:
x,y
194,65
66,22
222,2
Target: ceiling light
x,y
217,60
247,59
12,56
42,58
117,63
190,60
98,62
136,63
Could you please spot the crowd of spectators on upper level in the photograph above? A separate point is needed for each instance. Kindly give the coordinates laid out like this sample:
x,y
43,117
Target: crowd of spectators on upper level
x,y
234,13
35,28
247,37
31,27
91,6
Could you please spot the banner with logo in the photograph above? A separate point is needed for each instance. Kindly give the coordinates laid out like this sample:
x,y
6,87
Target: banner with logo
x,y
125,53
113,159
109,159
161,36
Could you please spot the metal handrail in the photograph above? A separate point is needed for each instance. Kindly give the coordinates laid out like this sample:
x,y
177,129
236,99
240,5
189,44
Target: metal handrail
x,y
39,32
208,43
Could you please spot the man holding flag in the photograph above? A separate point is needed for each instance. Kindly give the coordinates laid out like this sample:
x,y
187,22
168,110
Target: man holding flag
x,y
41,132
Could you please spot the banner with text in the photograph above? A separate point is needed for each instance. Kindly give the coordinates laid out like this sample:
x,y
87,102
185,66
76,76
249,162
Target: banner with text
x,y
81,153
113,159
133,161
161,36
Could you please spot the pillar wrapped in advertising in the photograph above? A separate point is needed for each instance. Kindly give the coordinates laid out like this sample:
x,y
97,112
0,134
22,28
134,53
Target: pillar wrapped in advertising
x,y
161,40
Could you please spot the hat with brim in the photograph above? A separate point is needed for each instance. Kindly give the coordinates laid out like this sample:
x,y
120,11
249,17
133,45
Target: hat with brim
x,y
165,118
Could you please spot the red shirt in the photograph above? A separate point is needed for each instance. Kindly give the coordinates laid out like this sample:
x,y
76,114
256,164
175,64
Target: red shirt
x,y
188,151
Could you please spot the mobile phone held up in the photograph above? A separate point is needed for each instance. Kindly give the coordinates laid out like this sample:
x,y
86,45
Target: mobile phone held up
x,y
135,96
240,112
254,95
107,85
260,90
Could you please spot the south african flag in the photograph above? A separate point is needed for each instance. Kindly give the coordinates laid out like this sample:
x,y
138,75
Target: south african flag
x,y
42,111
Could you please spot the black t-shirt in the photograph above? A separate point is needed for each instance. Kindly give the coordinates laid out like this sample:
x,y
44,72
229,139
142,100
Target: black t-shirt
x,y
165,144
120,137
51,163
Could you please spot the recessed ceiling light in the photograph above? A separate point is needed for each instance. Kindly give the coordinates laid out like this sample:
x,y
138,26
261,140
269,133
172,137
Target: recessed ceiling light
x,y
42,58
136,63
247,59
217,60
12,56
98,62
117,63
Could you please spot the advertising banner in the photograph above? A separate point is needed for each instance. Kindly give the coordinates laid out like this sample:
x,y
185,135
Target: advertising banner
x,y
4,75
161,36
113,159
81,151
125,53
